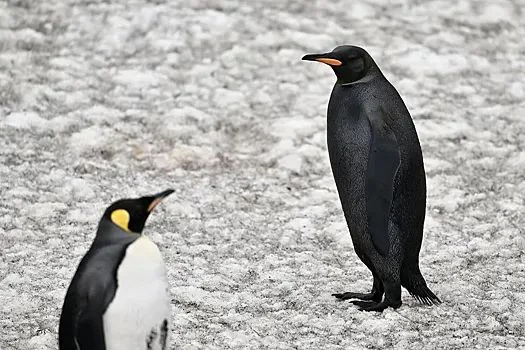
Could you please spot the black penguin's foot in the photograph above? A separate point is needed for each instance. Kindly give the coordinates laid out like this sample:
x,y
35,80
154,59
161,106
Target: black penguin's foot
x,y
379,307
364,304
351,295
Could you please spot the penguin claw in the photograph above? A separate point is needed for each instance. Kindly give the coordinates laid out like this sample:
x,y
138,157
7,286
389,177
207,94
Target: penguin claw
x,y
363,304
339,296
351,295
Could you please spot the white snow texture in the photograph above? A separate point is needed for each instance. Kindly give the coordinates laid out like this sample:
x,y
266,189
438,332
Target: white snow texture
x,y
101,100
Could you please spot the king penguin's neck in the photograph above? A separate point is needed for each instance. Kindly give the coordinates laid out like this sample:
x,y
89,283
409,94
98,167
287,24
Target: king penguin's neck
x,y
109,233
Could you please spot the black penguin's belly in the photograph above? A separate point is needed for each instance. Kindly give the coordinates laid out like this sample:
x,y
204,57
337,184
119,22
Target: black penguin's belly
x,y
348,147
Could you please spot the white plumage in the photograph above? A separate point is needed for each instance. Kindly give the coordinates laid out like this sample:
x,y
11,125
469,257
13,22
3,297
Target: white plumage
x,y
138,316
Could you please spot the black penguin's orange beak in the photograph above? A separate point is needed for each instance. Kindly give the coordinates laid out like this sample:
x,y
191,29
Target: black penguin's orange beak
x,y
157,198
326,58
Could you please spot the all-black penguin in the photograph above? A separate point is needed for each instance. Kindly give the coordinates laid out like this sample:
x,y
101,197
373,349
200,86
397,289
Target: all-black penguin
x,y
377,165
118,298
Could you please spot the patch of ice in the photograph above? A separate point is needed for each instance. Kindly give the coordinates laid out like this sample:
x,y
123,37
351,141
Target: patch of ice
x,y
30,35
360,10
237,338
440,129
310,41
449,200
118,29
77,190
43,210
190,294
517,90
293,127
425,62
496,12
89,139
291,162
338,231
61,123
269,39
146,18
224,98
517,160
182,209
187,157
26,120
299,224
436,164
137,79
12,279
45,340
101,114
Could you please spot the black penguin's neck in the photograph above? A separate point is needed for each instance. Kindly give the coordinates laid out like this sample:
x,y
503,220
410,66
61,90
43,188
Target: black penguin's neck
x,y
372,72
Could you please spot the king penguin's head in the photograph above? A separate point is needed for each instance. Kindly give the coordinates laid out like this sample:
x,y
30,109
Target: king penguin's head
x,y
350,63
131,214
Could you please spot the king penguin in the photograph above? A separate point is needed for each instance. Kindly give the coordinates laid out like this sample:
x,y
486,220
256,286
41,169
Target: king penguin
x,y
377,164
118,298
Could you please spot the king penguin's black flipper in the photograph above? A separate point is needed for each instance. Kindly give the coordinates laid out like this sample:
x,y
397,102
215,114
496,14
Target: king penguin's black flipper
x,y
93,302
87,298
88,328
383,163
83,327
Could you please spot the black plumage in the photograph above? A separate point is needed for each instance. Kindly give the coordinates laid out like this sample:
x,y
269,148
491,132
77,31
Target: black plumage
x,y
378,168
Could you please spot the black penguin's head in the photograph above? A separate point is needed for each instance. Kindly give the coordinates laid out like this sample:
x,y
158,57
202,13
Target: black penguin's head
x,y
131,214
350,63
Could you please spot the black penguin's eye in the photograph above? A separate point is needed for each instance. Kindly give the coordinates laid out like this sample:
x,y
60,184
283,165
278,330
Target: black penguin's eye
x,y
356,64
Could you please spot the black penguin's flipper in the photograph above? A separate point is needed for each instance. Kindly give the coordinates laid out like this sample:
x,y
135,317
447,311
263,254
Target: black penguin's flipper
x,y
383,162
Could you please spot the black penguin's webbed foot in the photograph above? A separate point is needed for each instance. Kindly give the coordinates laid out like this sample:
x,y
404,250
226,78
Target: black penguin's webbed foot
x,y
379,307
392,291
376,294
360,296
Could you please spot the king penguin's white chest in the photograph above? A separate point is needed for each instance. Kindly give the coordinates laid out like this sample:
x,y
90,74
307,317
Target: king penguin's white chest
x,y
137,318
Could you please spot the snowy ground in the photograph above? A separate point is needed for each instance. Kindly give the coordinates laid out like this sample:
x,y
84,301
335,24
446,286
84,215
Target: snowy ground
x,y
101,100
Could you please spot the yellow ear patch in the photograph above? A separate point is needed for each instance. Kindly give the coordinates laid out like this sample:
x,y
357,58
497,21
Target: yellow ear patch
x,y
120,217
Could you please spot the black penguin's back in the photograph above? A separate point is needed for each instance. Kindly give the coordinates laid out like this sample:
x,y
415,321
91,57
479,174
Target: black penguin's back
x,y
409,203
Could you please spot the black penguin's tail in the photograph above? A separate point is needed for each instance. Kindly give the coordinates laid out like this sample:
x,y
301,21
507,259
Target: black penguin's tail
x,y
414,282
